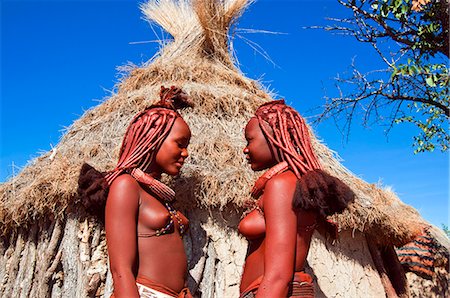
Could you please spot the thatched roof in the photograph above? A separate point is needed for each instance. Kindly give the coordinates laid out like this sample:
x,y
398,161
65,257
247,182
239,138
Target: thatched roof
x,y
216,175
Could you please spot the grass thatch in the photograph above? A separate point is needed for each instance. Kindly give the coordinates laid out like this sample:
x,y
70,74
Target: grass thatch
x,y
215,175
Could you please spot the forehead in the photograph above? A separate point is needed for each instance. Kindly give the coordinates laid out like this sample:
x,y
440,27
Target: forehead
x,y
252,127
180,128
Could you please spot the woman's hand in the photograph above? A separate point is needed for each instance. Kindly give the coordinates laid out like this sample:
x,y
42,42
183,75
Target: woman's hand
x,y
121,219
281,235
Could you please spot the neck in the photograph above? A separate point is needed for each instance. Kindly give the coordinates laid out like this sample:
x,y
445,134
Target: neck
x,y
161,190
153,172
261,182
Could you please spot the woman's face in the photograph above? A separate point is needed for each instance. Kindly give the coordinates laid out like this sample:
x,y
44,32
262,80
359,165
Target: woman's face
x,y
257,151
173,152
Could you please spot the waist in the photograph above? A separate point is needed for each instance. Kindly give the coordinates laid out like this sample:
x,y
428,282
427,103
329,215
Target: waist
x,y
147,287
254,265
153,266
155,253
300,286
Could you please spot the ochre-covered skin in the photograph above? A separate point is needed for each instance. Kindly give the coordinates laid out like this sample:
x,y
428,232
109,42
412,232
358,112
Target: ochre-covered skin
x,y
131,210
278,239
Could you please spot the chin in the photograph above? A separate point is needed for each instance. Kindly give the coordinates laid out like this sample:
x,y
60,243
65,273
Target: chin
x,y
172,172
256,167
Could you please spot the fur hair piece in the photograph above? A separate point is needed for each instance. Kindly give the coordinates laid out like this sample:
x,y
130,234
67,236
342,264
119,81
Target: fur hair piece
x,y
92,190
317,190
173,98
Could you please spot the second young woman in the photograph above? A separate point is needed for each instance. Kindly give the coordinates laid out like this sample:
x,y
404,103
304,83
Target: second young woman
x,y
290,199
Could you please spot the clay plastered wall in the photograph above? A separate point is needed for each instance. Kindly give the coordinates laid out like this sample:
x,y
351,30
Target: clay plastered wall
x,y
217,253
344,269
438,286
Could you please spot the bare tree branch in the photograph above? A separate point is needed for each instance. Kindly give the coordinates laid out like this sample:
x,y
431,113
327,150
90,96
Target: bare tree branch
x,y
413,87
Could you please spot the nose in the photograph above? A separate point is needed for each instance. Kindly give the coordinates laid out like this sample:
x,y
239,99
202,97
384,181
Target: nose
x,y
246,151
184,153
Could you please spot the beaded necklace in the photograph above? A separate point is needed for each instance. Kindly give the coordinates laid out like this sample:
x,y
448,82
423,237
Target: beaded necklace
x,y
157,187
258,188
167,195
260,183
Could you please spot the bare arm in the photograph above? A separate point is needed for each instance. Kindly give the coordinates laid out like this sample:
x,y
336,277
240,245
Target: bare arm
x,y
121,220
280,241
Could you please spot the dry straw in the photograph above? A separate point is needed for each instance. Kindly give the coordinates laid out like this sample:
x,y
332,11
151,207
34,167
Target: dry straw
x,y
215,176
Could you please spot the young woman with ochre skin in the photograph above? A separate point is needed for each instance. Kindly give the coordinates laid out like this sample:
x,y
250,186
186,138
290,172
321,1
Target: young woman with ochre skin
x,y
143,230
290,200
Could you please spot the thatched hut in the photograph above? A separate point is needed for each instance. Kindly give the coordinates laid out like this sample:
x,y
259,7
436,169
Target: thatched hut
x,y
52,248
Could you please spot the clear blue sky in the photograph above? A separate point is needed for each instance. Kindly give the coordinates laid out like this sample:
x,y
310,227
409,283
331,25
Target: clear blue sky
x,y
59,58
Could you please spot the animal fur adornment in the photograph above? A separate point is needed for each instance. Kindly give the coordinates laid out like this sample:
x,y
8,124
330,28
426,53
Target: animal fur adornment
x,y
317,190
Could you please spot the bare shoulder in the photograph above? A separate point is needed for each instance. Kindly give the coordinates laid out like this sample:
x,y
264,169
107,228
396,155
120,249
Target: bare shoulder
x,y
124,190
279,194
285,180
281,187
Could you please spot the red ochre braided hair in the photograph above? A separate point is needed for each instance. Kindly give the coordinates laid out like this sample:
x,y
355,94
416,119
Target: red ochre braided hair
x,y
289,139
143,138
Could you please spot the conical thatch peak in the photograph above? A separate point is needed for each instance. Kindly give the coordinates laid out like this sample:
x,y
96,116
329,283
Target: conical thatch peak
x,y
199,54
198,27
